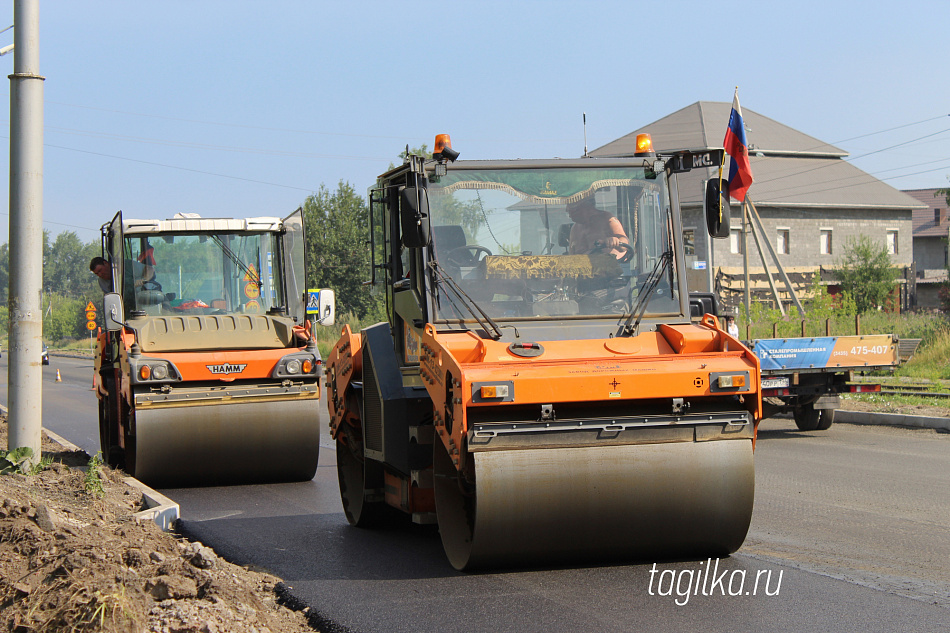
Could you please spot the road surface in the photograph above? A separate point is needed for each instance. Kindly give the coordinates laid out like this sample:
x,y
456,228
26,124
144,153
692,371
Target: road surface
x,y
850,533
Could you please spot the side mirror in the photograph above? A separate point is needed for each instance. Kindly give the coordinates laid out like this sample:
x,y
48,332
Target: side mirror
x,y
326,307
112,311
414,216
716,203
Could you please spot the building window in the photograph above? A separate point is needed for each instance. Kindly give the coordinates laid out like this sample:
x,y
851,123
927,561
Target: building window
x,y
824,242
735,241
689,242
782,242
892,241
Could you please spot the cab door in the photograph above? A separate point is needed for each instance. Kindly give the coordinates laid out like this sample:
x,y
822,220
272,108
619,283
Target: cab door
x,y
114,247
295,266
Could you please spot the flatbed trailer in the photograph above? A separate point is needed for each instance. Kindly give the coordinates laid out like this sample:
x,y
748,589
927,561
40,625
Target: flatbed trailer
x,y
805,376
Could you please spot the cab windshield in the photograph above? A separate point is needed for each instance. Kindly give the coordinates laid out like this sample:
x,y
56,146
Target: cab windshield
x,y
203,273
553,242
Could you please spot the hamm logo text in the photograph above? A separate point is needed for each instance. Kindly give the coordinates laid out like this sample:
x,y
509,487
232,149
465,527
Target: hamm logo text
x,y
226,368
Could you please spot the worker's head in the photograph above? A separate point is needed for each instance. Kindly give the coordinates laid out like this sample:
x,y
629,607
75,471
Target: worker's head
x,y
581,210
730,319
101,268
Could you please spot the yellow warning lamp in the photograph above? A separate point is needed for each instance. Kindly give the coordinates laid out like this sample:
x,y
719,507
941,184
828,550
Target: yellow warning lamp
x,y
441,142
443,148
644,145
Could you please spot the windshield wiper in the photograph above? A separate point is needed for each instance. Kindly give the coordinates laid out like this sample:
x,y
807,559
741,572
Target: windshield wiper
x,y
237,260
648,288
445,280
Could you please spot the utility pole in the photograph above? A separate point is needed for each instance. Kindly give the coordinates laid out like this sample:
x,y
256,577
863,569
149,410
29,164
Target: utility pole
x,y
25,386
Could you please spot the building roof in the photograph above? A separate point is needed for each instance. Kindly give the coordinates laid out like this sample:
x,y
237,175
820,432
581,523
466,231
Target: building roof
x,y
791,169
932,220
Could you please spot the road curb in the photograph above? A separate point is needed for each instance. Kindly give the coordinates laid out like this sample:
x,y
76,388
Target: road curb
x,y
892,419
158,508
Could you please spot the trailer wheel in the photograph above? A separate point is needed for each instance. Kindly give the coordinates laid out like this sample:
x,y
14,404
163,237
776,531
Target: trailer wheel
x,y
807,417
361,479
826,419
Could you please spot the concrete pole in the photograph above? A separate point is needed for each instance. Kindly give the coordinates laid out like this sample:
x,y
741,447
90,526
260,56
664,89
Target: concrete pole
x,y
25,386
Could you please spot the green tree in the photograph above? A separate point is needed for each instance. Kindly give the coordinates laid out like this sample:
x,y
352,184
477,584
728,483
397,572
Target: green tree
x,y
866,273
943,192
63,318
66,265
339,257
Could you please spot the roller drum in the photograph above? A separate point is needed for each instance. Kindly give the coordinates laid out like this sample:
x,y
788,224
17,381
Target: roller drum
x,y
226,443
624,502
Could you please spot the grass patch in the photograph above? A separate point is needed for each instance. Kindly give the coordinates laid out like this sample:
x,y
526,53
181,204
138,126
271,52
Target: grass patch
x,y
898,401
92,482
931,359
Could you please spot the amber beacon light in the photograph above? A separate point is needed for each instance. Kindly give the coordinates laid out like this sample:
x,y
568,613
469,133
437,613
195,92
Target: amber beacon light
x,y
644,144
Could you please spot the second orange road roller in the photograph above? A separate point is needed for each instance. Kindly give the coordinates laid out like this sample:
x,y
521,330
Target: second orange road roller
x,y
206,371
539,390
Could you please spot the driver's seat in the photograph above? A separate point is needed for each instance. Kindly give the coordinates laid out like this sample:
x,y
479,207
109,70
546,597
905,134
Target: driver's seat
x,y
450,237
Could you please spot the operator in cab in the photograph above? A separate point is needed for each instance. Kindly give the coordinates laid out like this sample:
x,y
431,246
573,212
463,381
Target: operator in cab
x,y
595,231
139,274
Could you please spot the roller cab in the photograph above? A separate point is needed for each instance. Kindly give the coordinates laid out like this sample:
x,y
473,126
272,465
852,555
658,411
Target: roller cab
x,y
207,372
539,391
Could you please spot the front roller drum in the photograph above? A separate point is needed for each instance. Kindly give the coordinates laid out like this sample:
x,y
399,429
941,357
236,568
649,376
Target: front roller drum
x,y
627,502
237,442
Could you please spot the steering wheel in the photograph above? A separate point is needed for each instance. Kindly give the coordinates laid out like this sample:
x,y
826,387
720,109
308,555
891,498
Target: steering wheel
x,y
453,256
600,247
151,284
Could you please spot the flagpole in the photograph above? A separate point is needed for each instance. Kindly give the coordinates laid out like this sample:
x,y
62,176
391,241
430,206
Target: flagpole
x,y
745,259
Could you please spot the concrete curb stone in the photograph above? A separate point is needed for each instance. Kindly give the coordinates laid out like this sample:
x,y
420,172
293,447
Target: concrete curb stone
x,y
158,508
892,419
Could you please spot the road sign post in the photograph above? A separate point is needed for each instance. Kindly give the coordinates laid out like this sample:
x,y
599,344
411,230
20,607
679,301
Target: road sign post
x,y
90,320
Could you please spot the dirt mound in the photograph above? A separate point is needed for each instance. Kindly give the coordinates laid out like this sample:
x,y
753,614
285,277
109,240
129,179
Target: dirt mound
x,y
72,558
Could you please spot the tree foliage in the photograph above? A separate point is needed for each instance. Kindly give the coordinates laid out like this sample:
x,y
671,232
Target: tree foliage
x,y
66,265
339,257
67,285
943,192
866,273
64,318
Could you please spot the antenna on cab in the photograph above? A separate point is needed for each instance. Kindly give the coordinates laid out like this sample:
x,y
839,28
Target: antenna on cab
x,y
585,134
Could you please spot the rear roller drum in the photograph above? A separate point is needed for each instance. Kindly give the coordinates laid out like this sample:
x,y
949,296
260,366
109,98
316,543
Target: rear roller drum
x,y
361,479
110,408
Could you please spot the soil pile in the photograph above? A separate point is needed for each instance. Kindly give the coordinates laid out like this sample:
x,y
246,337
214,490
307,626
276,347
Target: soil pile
x,y
73,558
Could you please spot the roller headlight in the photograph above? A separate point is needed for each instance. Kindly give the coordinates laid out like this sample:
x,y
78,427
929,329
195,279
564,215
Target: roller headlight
x,y
153,370
298,365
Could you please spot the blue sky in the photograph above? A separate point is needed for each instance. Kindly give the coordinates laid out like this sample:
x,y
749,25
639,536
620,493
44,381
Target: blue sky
x,y
238,108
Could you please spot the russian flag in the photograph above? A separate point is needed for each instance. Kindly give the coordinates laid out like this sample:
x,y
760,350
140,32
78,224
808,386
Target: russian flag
x,y
740,171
